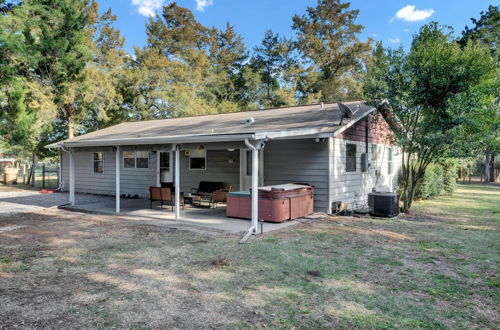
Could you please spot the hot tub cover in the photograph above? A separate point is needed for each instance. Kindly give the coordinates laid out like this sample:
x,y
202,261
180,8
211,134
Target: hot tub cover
x,y
285,187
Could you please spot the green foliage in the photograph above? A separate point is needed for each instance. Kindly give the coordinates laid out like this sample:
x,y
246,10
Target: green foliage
x,y
486,29
440,178
63,70
327,36
450,174
432,183
441,99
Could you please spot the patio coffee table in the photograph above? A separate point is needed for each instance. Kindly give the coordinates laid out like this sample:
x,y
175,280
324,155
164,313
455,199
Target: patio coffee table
x,y
194,200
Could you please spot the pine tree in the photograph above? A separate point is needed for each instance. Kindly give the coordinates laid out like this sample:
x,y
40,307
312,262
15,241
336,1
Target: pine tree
x,y
275,60
327,36
227,52
58,35
101,96
26,104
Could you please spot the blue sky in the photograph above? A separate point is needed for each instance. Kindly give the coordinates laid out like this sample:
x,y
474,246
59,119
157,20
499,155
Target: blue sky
x,y
392,21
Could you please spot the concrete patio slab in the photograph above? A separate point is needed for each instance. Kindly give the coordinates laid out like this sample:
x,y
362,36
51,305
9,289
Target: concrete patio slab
x,y
14,201
213,218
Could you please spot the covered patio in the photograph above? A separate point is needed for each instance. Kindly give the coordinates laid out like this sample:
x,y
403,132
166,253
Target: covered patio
x,y
215,218
211,218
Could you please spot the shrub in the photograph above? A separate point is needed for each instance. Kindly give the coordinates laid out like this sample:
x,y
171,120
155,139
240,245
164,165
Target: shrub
x,y
431,184
450,174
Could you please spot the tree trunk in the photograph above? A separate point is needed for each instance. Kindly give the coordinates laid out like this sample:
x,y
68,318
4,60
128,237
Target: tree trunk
x,y
71,125
487,163
33,169
492,168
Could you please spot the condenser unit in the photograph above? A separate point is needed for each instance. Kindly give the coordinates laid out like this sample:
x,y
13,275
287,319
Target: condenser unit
x,y
383,204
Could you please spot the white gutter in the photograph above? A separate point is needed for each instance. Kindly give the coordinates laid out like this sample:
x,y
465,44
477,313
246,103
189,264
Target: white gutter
x,y
153,140
188,138
286,133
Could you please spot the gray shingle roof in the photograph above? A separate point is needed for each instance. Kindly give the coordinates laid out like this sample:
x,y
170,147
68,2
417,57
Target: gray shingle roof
x,y
286,121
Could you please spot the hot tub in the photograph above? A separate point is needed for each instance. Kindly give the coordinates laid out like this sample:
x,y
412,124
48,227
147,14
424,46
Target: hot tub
x,y
276,203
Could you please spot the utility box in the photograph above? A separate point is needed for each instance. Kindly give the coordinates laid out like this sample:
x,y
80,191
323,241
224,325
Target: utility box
x,y
364,162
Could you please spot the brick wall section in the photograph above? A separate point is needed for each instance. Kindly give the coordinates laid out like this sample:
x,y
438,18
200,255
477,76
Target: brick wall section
x,y
378,132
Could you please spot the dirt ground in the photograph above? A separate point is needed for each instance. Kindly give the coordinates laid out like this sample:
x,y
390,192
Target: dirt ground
x,y
60,269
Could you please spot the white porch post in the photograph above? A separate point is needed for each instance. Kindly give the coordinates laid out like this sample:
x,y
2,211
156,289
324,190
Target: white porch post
x,y
177,184
117,179
72,177
255,190
158,172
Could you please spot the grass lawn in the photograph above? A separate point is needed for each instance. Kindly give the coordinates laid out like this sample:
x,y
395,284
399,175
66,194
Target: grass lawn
x,y
436,269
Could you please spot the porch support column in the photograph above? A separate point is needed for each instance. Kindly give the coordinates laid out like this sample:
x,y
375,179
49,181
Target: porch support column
x,y
72,177
177,184
255,189
117,179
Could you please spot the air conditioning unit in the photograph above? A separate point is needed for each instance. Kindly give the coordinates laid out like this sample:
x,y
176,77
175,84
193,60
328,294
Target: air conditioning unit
x,y
383,204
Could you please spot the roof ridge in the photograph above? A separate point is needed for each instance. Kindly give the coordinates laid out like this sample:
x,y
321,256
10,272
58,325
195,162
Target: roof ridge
x,y
228,113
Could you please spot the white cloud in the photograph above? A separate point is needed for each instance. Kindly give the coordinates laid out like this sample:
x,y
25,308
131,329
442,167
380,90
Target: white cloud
x,y
394,40
147,7
406,30
410,14
202,4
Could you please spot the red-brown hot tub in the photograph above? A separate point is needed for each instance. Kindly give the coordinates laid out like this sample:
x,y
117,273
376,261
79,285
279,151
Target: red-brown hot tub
x,y
276,203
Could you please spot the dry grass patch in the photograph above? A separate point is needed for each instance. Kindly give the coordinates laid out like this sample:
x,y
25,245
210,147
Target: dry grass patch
x,y
439,270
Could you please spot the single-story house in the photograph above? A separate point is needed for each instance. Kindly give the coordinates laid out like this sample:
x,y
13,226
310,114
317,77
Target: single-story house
x,y
343,149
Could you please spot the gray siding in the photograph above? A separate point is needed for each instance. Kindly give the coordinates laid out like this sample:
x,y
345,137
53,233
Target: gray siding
x,y
138,180
346,185
134,181
218,169
302,160
285,161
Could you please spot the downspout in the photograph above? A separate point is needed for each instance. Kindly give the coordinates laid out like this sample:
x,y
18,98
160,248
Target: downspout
x,y
64,149
60,187
255,194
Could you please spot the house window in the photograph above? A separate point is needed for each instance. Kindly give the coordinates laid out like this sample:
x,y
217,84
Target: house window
x,y
142,159
389,161
198,160
136,159
350,158
165,161
98,162
374,153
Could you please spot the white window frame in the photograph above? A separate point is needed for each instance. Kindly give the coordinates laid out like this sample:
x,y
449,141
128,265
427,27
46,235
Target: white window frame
x,y
171,166
374,151
198,154
355,157
94,161
135,159
390,161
